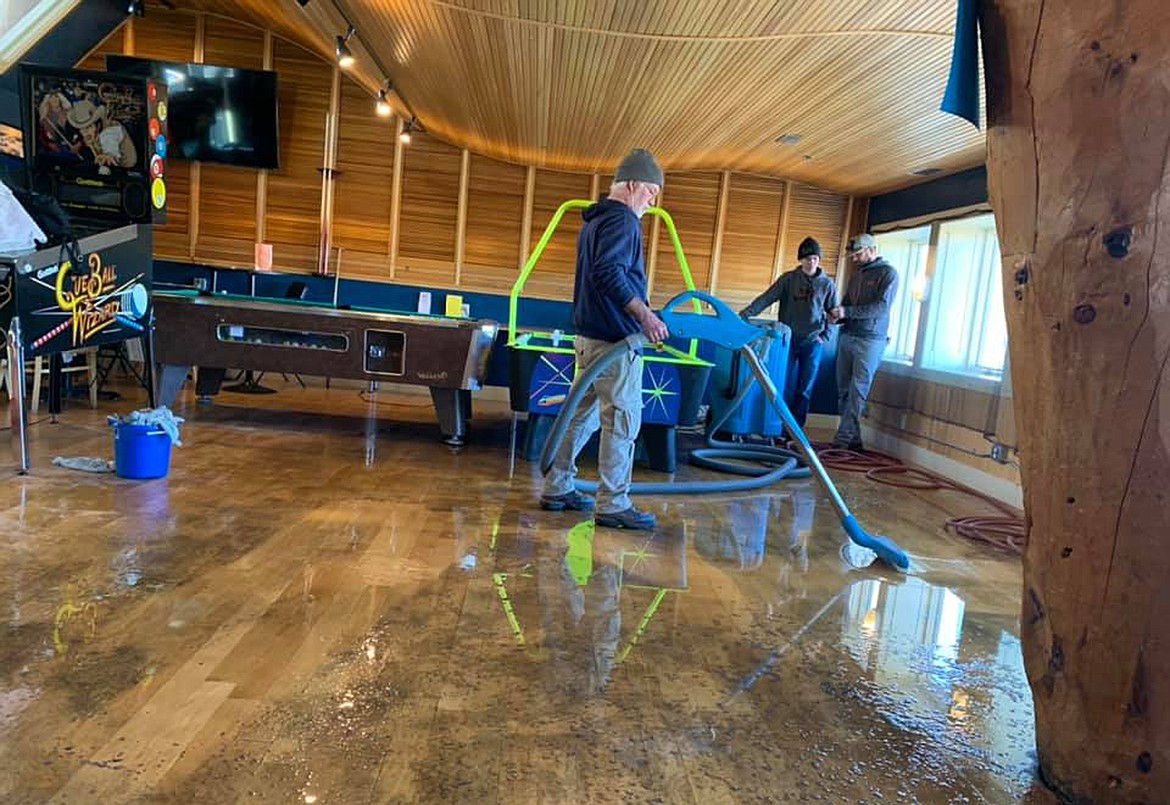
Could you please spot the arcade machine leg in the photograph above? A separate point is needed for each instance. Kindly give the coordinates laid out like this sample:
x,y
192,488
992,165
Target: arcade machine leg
x,y
16,401
512,445
150,379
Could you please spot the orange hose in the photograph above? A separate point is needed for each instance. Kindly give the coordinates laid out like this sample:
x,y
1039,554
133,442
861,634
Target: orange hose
x,y
1006,532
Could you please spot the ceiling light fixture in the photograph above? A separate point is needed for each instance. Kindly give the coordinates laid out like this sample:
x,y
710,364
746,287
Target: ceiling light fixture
x,y
789,139
382,107
344,54
410,126
137,8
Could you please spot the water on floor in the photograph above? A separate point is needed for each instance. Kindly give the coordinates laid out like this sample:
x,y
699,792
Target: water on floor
x,y
312,608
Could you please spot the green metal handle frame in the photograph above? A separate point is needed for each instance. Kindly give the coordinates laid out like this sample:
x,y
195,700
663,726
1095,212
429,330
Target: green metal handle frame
x,y
691,356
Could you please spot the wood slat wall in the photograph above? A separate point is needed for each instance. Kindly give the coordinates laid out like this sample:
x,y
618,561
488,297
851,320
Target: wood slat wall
x,y
748,257
815,213
363,195
227,193
292,218
554,277
230,202
495,205
430,202
692,199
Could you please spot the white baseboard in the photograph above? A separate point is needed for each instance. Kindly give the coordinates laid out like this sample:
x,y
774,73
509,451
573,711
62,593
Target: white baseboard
x,y
998,488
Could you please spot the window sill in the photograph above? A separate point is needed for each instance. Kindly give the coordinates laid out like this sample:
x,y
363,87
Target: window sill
x,y
983,383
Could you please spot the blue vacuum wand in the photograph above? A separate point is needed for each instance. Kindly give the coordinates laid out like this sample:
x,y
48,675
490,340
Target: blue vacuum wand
x,y
727,329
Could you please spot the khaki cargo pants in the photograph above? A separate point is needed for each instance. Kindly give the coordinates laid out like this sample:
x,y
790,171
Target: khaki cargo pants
x,y
615,404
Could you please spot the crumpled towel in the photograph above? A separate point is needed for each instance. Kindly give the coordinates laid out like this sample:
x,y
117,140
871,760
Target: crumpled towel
x,y
84,463
160,417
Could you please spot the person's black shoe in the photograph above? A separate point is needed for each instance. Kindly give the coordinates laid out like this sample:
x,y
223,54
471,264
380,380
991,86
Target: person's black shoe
x,y
570,501
630,518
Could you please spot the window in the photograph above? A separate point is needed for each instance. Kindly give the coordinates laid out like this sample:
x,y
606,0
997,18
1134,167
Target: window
x,y
906,251
959,294
966,331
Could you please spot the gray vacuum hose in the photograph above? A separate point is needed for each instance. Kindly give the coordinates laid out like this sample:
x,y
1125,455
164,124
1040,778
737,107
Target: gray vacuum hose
x,y
773,464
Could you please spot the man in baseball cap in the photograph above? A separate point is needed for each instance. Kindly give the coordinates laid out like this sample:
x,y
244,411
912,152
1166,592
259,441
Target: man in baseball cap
x,y
864,316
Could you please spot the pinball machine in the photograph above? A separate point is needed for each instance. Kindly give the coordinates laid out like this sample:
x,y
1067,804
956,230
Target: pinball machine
x,y
96,143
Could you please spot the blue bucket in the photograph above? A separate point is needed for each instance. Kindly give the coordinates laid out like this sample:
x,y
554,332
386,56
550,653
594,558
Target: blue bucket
x,y
141,451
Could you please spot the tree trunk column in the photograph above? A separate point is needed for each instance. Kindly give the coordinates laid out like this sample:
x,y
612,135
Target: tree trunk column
x,y
1078,96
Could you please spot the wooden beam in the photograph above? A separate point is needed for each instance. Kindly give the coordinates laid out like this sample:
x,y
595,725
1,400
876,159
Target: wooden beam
x,y
461,215
526,224
843,243
129,41
262,174
200,38
396,194
195,172
595,187
720,225
782,233
1078,175
328,178
652,260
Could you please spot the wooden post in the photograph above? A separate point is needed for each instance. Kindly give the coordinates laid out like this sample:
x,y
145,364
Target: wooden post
x,y
262,173
526,218
461,216
1078,149
396,194
779,256
720,226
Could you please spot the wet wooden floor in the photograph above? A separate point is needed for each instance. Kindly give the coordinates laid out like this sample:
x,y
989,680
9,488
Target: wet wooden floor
x,y
318,605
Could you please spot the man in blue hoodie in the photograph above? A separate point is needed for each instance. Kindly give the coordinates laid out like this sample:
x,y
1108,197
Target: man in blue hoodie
x,y
610,302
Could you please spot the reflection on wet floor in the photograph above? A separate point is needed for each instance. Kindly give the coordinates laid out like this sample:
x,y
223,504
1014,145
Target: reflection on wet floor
x,y
293,617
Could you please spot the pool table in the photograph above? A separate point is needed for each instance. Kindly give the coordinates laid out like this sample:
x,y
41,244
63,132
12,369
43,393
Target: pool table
x,y
217,331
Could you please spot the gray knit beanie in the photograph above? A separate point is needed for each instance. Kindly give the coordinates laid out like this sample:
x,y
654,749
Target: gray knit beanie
x,y
639,166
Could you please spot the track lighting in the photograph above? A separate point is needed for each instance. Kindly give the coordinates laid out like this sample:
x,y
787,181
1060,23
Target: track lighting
x,y
344,54
383,105
410,126
137,8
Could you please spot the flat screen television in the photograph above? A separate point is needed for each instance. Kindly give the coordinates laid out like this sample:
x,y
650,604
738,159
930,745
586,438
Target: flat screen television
x,y
217,114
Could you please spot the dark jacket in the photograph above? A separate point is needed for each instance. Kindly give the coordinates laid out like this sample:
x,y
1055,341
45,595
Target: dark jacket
x,y
868,299
610,272
804,303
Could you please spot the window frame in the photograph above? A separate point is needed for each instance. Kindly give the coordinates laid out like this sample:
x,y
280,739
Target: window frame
x,y
973,379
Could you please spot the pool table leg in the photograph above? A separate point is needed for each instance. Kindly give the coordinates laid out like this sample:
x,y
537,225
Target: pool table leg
x,y
170,383
453,407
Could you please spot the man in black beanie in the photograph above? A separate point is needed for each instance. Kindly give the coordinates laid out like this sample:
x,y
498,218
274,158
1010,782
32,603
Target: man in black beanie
x,y
805,294
610,302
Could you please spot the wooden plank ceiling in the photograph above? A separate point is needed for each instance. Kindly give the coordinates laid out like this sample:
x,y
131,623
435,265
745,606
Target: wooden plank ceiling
x,y
706,84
